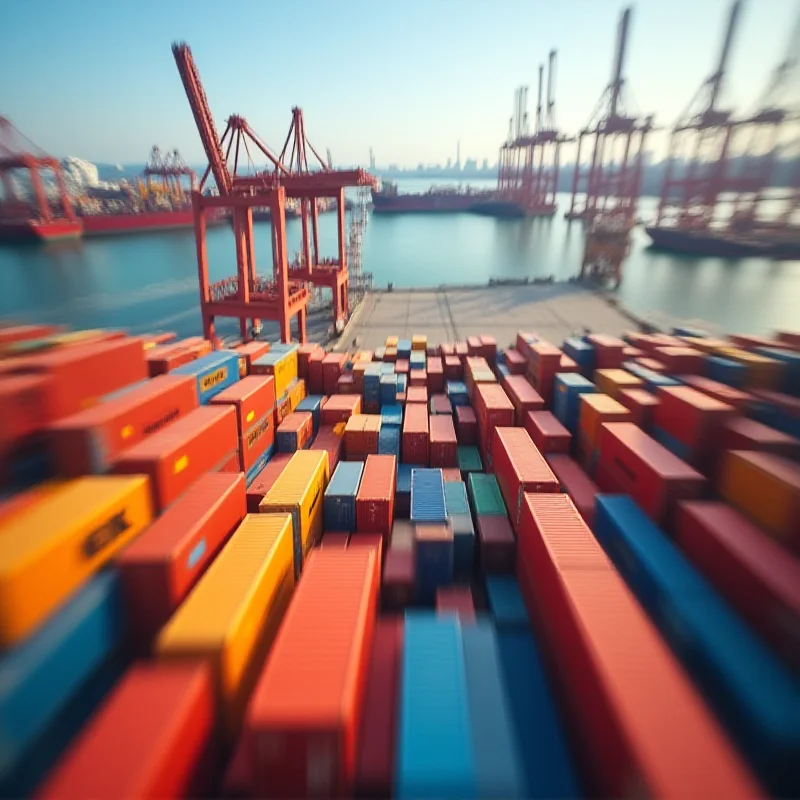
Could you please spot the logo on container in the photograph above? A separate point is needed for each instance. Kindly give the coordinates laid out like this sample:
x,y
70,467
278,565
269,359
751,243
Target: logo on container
x,y
157,424
105,534
213,379
255,433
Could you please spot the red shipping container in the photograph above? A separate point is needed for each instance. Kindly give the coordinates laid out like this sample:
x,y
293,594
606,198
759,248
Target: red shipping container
x,y
652,364
164,359
520,468
493,409
477,370
373,540
89,441
581,489
295,432
10,334
417,394
452,475
433,351
375,498
524,342
489,348
461,350
159,568
339,408
786,403
283,407
642,406
204,440
632,353
252,397
251,351
448,349
358,376
650,341
568,365
443,442
332,367
497,545
417,377
547,433
474,345
346,384
376,751
453,368
750,569
747,434
456,600
789,338
23,409
259,436
82,374
329,440
304,733
515,362
632,708
524,397
263,482
336,541
398,584
414,440
435,375
719,391
401,366
152,737
544,362
466,425
751,342
639,466
608,350
440,404
315,371
681,360
304,352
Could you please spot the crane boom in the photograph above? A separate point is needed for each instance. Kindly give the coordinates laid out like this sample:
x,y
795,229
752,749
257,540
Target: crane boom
x,y
715,80
617,80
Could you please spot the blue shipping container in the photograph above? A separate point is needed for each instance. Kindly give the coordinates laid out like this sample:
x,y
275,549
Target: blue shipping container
x,y
455,498
582,353
404,348
502,371
388,390
392,415
417,359
506,603
214,372
312,403
387,368
672,444
498,764
339,508
790,382
754,695
389,441
567,391
457,392
427,496
435,562
652,380
252,473
463,546
723,370
402,383
435,755
40,676
546,761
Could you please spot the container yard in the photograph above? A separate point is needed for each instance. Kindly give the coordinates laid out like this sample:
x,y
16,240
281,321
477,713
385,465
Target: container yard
x,y
277,571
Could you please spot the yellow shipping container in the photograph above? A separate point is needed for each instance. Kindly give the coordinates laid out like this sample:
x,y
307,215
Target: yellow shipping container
x,y
284,371
297,393
419,342
611,381
355,423
707,345
299,491
363,355
390,354
766,488
48,550
596,409
762,372
391,341
231,617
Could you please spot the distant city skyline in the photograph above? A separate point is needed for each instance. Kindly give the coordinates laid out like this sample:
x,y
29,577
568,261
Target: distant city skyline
x,y
411,80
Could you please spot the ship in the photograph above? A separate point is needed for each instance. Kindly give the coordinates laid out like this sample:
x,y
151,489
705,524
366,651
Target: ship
x,y
763,242
24,227
438,199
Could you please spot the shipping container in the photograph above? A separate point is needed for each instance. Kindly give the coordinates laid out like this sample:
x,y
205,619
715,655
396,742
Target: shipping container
x,y
375,499
264,480
89,441
213,373
23,399
399,580
466,425
520,467
569,386
608,350
299,491
742,433
415,440
760,372
596,410
340,497
329,441
456,600
151,738
427,496
440,404
434,548
642,406
304,733
493,409
612,381
282,365
251,351
230,618
453,368
756,698
751,571
202,441
726,371
523,397
252,397
336,541
506,603
652,364
295,432
332,367
49,549
402,496
160,568
392,416
469,459
580,488
766,488
790,382
632,463
416,377
443,442
457,393
624,667
315,360
166,358
515,362
547,433
41,676
497,545
435,375
417,394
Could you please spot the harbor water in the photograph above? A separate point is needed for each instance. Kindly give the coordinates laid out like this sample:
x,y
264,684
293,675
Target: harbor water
x,y
148,281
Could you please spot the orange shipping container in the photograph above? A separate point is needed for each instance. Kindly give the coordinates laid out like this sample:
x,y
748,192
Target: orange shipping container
x,y
151,738
493,409
340,407
252,351
443,442
611,381
597,409
417,394
252,397
375,498
523,396
204,440
89,441
23,400
168,357
415,439
303,733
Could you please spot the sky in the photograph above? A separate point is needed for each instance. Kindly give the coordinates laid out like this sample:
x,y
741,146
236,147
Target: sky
x,y
409,78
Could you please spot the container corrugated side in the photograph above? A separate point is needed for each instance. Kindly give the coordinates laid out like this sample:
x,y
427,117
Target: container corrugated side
x,y
340,497
375,499
427,496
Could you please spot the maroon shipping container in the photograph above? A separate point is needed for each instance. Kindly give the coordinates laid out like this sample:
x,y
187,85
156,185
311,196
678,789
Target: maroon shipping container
x,y
398,584
315,360
453,368
489,349
263,482
339,408
462,351
524,397
751,570
433,351
417,377
443,442
581,489
347,384
435,375
547,433
608,351
252,351
375,498
440,404
642,406
332,367
473,345
401,366
520,468
493,409
639,466
415,438
456,600
165,358
515,362
159,568
376,746
632,353
747,434
205,440
654,365
367,540
466,425
679,360
497,545
719,391
304,353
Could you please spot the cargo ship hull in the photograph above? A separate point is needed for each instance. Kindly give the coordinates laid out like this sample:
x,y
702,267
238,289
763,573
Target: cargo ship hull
x,y
720,245
32,230
431,203
112,224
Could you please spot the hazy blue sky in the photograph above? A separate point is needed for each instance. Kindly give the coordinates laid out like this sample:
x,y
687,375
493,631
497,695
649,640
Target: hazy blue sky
x,y
96,78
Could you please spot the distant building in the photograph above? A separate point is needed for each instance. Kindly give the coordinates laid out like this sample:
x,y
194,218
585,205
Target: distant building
x,y
485,164
449,163
471,165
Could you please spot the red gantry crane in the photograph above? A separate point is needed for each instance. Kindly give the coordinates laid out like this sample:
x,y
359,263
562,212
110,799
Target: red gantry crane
x,y
44,218
611,182
170,167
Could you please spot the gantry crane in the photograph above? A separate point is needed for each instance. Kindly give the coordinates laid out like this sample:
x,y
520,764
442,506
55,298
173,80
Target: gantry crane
x,y
611,182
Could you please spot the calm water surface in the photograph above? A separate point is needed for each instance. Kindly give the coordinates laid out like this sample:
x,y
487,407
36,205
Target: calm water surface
x,y
149,281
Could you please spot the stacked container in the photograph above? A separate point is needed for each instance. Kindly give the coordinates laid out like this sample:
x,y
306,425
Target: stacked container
x,y
493,409
295,432
566,398
596,410
340,497
443,442
375,499
415,435
523,396
547,433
